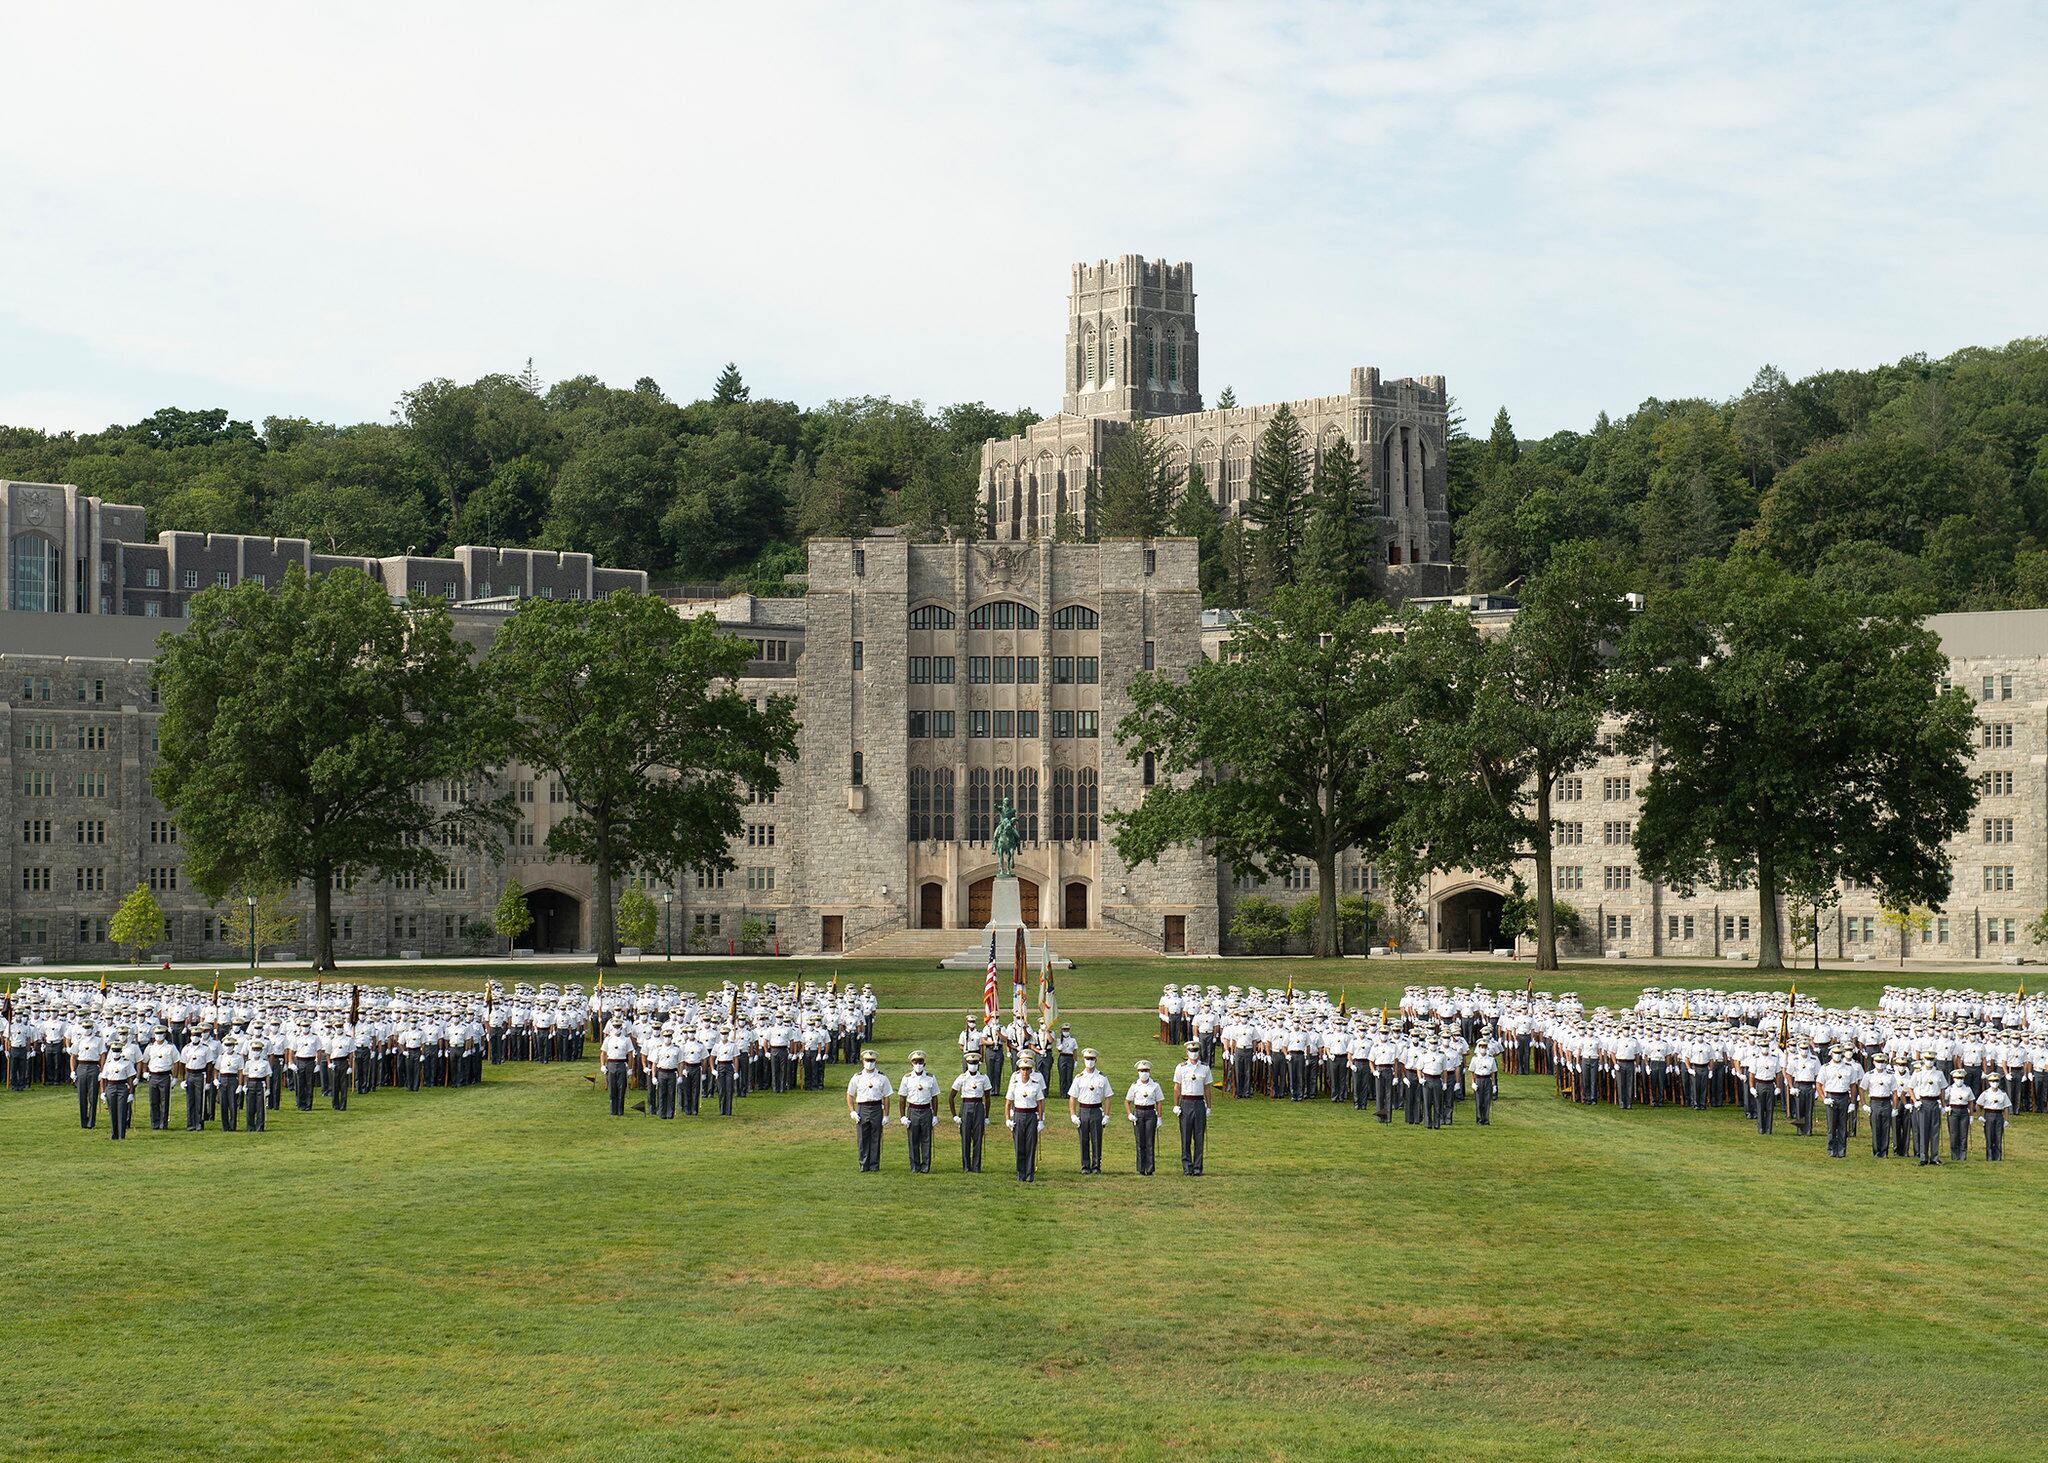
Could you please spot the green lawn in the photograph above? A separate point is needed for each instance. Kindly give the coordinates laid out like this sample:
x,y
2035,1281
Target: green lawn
x,y
506,1271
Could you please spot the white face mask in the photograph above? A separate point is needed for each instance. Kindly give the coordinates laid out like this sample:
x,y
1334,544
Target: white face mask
x,y
868,1062
917,1066
1090,1063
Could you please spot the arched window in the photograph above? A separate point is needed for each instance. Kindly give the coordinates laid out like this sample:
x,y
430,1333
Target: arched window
x,y
1109,357
1088,376
931,617
36,582
1151,769
1206,458
1027,804
1063,805
1086,802
859,768
1002,614
1387,475
920,821
1152,357
942,805
1173,359
1175,464
1075,617
980,816
1237,470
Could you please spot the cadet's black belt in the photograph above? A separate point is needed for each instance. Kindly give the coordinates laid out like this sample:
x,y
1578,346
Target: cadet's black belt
x,y
1144,1107
876,1103
920,1107
1202,1098
976,1101
1091,1106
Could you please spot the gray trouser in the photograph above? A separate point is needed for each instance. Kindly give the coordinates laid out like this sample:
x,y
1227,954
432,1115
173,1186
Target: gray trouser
x,y
88,1080
195,1101
1994,1137
1194,1132
1026,1136
159,1099
868,1131
920,1139
1091,1139
227,1096
1146,1130
973,1125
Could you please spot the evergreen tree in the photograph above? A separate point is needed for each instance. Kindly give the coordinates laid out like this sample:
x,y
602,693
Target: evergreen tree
x,y
1237,564
1502,450
730,390
1195,517
1279,502
1227,400
1336,549
1136,487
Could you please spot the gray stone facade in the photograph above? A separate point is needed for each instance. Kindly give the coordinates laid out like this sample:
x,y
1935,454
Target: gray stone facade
x,y
1132,351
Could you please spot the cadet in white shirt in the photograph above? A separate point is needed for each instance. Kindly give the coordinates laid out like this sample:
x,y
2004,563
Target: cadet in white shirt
x,y
158,1060
193,1058
117,1084
1191,1105
1994,1103
969,1102
1024,1115
1838,1092
867,1105
86,1058
257,1081
1485,1080
1927,1113
1959,1099
1142,1101
917,1108
227,1082
1878,1086
1085,1097
616,1052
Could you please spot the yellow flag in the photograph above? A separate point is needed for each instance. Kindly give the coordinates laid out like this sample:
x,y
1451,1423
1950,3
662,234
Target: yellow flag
x,y
1340,1001
1290,987
1383,1017
103,984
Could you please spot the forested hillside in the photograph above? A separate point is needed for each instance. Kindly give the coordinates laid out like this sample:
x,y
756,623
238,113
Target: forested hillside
x,y
1927,475
723,488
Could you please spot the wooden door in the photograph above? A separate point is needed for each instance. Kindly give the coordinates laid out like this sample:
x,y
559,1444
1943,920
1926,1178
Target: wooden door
x,y
1077,906
1027,900
833,941
1176,934
931,906
980,903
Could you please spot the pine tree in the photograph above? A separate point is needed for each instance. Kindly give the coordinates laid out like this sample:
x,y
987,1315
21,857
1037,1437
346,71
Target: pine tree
x,y
1237,565
729,390
1336,547
1227,400
1195,517
1502,450
1136,488
1279,502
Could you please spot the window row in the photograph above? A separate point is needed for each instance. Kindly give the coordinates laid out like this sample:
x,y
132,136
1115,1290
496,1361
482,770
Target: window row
x,y
1002,670
988,790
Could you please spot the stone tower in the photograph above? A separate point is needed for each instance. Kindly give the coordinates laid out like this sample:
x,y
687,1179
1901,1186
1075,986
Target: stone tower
x,y
1131,344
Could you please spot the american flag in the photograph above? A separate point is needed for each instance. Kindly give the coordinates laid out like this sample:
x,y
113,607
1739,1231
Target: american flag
x,y
988,990
1048,998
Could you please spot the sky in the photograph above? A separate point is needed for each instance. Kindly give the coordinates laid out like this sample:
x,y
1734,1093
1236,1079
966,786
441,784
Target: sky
x,y
305,210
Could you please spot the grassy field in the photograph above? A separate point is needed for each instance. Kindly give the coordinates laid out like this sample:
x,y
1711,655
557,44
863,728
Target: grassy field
x,y
505,1271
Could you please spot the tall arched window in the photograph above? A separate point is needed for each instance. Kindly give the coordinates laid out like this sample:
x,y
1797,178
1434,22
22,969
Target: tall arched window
x,y
1027,804
1088,376
1173,359
942,805
1237,470
980,820
1063,805
1086,801
920,821
1208,460
1152,357
1109,357
1005,787
35,574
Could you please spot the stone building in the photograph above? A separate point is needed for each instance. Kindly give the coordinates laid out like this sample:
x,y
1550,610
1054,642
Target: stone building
x,y
1132,351
2000,872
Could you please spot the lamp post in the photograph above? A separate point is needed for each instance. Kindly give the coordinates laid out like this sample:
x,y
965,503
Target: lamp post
x,y
250,899
668,924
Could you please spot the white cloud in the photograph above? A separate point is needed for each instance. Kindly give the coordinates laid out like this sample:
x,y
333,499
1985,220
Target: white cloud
x,y
279,210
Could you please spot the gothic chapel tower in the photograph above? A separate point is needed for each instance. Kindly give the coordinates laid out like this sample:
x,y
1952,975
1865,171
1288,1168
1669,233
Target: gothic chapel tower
x,y
1131,344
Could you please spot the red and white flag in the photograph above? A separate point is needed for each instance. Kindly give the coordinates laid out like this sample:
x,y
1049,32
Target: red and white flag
x,y
988,990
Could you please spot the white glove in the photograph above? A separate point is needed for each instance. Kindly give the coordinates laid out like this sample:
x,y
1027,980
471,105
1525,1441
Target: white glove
x,y
853,1117
956,1121
1176,1109
1131,1118
904,1121
1041,1125
1010,1123
1075,1119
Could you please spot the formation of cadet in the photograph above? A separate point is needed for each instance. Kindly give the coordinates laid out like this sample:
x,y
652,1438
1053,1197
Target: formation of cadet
x,y
684,1047
1420,1061
1923,1063
1026,1097
233,1055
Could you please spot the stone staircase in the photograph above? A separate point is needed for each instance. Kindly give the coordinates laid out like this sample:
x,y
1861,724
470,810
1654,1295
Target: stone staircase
x,y
932,946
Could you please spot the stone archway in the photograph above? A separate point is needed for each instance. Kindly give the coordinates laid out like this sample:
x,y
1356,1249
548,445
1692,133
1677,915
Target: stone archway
x,y
1469,919
557,921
